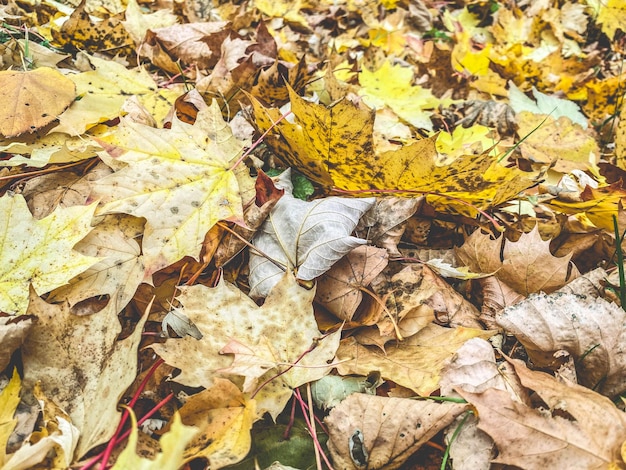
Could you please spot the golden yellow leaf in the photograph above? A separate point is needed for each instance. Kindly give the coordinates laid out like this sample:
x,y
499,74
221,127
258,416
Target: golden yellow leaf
x,y
556,139
39,252
463,141
612,16
173,444
391,86
36,98
224,416
288,10
324,140
599,205
179,179
333,146
620,140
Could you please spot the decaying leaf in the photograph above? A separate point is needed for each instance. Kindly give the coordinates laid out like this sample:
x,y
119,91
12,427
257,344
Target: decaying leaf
x,y
79,361
269,338
415,363
591,330
13,331
579,428
224,417
365,431
341,289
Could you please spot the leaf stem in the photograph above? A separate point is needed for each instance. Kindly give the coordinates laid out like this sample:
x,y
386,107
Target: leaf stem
x,y
620,263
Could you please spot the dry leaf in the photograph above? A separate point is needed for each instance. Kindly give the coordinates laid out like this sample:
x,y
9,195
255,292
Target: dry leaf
x,y
13,332
80,362
37,98
415,363
39,252
183,171
307,236
591,330
579,428
224,417
269,339
372,432
340,290
527,265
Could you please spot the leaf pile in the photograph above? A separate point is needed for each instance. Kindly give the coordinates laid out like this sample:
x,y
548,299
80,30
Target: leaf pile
x,y
334,235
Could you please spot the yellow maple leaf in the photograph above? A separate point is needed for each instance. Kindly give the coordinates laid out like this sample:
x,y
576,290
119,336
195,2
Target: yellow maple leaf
x,y
179,179
39,252
104,90
463,140
611,15
334,147
172,444
473,43
391,86
323,140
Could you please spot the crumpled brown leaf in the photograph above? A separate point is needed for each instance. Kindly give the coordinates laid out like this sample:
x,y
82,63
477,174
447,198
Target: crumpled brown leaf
x,y
368,431
341,289
591,330
579,429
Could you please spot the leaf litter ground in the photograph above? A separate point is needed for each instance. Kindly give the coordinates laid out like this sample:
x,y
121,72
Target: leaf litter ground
x,y
432,279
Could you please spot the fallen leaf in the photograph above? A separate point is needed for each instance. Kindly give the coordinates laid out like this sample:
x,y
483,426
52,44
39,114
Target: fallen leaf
x,y
340,291
79,32
224,416
391,85
9,399
527,265
307,236
13,331
415,363
173,444
137,23
183,172
278,334
79,361
37,98
385,223
365,430
104,90
120,270
579,428
560,143
39,252
590,329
